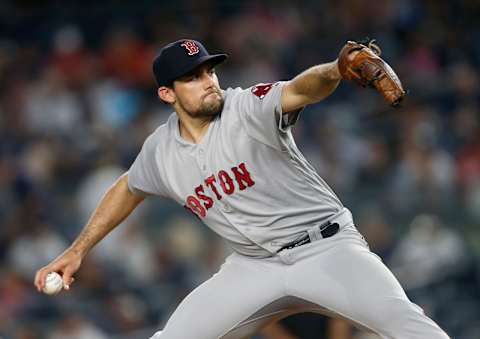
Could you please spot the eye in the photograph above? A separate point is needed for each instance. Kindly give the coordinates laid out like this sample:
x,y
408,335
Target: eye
x,y
211,71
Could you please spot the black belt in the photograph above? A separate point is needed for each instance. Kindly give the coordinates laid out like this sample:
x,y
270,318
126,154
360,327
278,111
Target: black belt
x,y
327,230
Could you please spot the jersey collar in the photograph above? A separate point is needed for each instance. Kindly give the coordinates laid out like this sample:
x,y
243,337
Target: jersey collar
x,y
174,126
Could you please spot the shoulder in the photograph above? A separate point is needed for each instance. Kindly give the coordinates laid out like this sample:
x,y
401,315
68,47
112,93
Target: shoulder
x,y
230,93
257,91
262,89
259,97
161,134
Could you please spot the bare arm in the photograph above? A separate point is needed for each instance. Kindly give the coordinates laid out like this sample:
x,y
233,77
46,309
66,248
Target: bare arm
x,y
339,329
277,331
310,86
117,203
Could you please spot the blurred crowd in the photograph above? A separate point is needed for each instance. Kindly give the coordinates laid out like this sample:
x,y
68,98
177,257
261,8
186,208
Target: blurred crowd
x,y
77,99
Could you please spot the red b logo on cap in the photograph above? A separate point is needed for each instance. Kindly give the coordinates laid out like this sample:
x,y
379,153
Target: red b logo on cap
x,y
191,47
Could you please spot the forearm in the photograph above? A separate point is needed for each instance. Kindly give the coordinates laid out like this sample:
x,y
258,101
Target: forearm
x,y
317,82
117,203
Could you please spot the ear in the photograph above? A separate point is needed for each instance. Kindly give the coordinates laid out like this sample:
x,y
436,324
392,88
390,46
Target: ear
x,y
166,94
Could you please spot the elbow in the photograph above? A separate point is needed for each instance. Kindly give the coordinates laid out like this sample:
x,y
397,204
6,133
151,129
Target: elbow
x,y
122,185
122,182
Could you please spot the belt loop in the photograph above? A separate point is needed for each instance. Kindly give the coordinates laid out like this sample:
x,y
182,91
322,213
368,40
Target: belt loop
x,y
314,233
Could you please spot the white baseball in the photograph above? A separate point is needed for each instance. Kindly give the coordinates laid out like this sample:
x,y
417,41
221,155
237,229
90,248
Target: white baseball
x,y
53,283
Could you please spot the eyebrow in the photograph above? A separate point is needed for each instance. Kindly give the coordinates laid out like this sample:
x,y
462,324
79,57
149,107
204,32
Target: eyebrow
x,y
208,66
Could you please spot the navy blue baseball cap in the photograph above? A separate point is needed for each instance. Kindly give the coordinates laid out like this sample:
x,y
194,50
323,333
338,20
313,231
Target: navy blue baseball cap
x,y
179,58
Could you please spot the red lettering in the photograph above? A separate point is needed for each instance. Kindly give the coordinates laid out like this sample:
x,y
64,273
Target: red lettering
x,y
261,90
209,182
208,201
199,203
191,47
243,177
195,206
226,182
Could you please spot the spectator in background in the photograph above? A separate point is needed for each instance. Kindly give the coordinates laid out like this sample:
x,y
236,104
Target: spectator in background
x,y
74,326
428,253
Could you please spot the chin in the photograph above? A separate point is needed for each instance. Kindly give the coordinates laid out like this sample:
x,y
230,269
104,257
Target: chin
x,y
211,108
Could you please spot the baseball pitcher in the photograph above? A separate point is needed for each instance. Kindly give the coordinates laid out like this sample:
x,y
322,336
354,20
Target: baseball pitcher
x,y
229,157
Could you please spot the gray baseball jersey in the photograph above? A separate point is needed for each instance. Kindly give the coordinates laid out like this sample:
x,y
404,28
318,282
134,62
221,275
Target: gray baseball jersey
x,y
246,179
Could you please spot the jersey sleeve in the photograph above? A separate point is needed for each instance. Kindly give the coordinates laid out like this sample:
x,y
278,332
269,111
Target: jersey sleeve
x,y
143,175
261,113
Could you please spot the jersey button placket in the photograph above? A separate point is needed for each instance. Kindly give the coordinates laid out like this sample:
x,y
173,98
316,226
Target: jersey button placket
x,y
201,160
227,208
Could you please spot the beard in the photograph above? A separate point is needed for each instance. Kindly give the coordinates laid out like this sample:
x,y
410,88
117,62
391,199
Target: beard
x,y
209,108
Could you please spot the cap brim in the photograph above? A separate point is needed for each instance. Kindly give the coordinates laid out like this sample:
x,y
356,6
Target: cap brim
x,y
215,59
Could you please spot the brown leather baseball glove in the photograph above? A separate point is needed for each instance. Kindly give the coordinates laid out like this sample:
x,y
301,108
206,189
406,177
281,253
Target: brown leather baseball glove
x,y
366,68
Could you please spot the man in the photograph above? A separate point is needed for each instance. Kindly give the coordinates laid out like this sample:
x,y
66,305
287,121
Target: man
x,y
229,157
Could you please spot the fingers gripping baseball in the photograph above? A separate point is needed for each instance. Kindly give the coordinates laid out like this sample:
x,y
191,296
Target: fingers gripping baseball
x,y
65,265
361,63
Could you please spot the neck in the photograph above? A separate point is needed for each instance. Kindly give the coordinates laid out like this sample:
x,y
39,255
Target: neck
x,y
193,129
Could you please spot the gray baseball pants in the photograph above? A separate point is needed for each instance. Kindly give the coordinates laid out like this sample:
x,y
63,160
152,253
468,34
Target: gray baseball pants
x,y
337,276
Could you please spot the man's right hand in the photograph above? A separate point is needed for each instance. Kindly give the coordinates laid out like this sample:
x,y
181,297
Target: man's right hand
x,y
66,265
117,203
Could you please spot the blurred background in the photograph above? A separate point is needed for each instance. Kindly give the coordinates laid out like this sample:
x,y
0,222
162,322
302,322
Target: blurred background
x,y
77,99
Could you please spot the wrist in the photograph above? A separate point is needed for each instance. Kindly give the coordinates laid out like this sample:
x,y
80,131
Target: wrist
x,y
335,70
78,250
